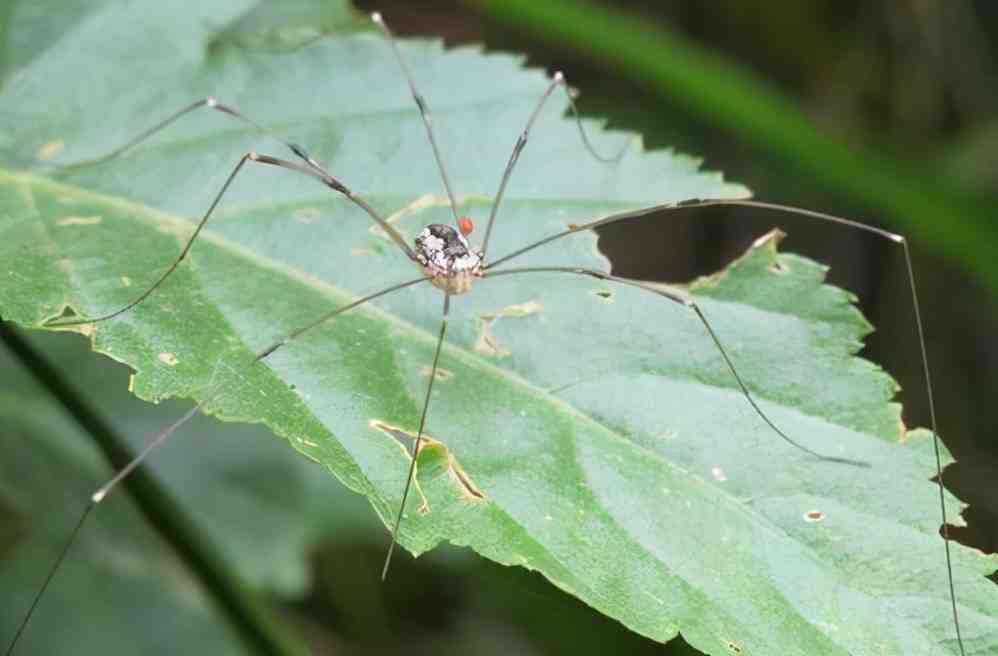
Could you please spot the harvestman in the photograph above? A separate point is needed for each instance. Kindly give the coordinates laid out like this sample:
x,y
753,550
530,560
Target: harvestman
x,y
446,260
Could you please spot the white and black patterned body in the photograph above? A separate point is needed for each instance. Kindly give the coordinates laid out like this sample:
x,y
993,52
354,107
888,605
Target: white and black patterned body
x,y
448,258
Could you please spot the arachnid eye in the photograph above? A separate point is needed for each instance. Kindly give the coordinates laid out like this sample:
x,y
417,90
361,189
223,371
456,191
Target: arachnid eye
x,y
465,225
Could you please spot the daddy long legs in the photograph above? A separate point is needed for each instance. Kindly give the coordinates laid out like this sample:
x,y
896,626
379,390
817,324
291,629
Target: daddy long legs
x,y
443,256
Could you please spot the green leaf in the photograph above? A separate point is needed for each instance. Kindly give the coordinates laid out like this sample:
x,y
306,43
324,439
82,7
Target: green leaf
x,y
585,430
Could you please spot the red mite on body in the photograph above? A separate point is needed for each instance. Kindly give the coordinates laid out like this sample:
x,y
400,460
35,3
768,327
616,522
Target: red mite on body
x,y
465,225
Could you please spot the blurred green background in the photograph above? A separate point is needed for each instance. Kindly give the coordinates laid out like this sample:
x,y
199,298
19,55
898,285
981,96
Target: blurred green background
x,y
884,111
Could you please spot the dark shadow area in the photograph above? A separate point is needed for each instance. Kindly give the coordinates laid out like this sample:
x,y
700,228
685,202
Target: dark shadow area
x,y
439,602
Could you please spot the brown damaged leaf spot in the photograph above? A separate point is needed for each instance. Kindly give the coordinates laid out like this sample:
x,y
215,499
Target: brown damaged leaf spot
x,y
771,242
168,359
813,516
51,150
86,329
442,375
79,221
487,344
405,439
67,314
174,228
520,309
470,490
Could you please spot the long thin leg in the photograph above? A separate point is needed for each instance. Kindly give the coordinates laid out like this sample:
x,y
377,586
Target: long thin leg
x,y
319,175
335,184
419,438
521,142
424,110
669,207
48,579
935,440
163,436
688,302
211,103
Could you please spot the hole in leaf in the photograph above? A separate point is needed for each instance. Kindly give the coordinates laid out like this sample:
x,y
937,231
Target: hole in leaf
x,y
451,467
